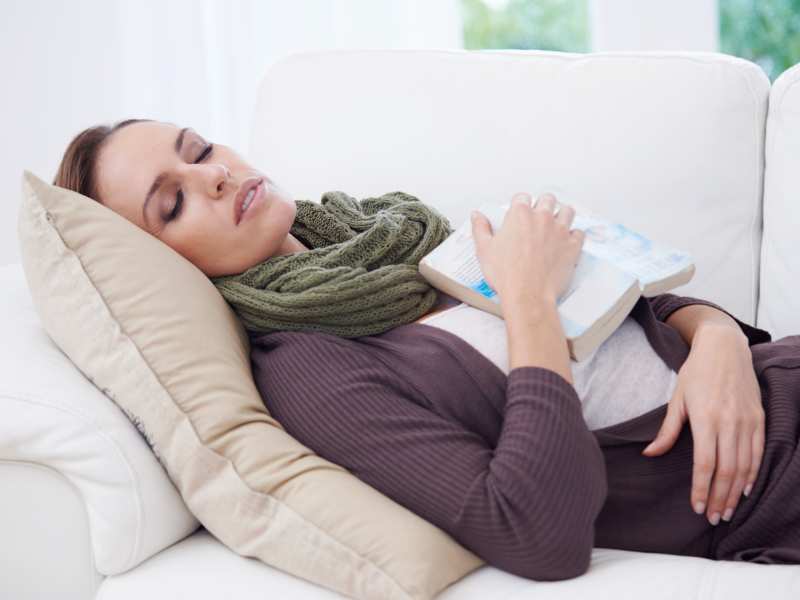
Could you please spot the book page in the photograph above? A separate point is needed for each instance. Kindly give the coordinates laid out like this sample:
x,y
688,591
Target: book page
x,y
457,257
643,258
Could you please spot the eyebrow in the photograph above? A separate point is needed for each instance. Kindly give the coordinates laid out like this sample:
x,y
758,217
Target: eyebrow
x,y
160,179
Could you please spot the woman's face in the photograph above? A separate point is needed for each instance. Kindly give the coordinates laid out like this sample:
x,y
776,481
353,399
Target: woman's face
x,y
175,185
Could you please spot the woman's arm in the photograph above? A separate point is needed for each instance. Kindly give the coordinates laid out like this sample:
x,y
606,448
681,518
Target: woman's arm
x,y
718,393
665,306
535,335
689,319
527,505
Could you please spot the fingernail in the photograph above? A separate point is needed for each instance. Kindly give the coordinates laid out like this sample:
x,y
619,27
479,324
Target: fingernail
x,y
714,518
748,489
728,514
522,197
699,507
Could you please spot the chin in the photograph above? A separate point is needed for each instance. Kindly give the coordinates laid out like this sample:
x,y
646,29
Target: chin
x,y
288,212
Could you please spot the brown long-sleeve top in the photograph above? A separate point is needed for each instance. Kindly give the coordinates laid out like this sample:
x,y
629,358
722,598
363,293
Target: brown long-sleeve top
x,y
507,465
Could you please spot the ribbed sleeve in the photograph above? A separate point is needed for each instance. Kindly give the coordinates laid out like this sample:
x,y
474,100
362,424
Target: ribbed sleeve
x,y
527,505
664,305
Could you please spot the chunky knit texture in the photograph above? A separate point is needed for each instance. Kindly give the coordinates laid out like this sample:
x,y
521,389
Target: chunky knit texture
x,y
360,276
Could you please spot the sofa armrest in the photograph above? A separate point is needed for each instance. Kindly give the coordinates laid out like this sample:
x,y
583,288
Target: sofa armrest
x,y
45,550
52,415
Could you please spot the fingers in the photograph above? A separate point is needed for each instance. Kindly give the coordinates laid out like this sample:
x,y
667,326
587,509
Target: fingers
x,y
757,453
545,202
744,441
565,215
669,432
522,198
705,459
727,452
481,231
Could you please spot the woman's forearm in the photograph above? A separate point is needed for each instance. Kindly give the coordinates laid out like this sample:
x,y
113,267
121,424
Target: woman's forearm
x,y
536,338
535,335
688,320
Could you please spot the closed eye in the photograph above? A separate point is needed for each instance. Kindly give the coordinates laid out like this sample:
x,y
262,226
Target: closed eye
x,y
176,210
205,153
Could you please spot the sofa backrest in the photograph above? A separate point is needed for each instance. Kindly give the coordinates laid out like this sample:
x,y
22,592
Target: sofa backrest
x,y
668,143
779,308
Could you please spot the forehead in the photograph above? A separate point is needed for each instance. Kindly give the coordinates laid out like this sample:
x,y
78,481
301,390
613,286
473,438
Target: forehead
x,y
129,162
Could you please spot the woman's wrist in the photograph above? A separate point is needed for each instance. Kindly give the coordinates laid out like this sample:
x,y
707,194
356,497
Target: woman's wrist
x,y
522,298
717,334
535,335
689,320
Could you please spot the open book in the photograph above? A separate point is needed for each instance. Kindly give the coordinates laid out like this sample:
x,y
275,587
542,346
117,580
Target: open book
x,y
616,266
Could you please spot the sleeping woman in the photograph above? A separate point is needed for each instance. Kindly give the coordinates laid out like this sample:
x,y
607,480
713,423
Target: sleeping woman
x,y
481,425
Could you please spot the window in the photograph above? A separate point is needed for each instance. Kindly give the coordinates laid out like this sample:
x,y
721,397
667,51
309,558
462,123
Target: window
x,y
766,32
526,24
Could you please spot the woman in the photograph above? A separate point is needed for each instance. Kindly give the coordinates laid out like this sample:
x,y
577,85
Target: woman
x,y
504,462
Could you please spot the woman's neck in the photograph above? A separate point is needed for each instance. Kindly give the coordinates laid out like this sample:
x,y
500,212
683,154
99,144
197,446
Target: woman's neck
x,y
291,245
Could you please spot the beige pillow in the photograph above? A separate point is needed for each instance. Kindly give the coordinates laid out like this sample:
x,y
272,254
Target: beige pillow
x,y
151,331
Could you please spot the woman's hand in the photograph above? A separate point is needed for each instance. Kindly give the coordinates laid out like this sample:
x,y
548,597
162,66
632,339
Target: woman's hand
x,y
718,390
529,261
533,254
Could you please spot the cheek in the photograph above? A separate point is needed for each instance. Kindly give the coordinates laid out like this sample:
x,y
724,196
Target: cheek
x,y
208,239
193,235
264,236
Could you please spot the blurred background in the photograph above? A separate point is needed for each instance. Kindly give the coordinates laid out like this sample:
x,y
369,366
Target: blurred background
x,y
67,65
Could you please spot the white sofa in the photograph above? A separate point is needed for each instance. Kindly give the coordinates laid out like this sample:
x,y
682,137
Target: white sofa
x,y
672,144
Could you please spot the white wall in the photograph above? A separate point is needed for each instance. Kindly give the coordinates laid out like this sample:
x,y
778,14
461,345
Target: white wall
x,y
68,65
654,25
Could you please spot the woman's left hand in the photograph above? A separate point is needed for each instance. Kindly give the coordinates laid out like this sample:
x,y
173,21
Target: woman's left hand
x,y
718,390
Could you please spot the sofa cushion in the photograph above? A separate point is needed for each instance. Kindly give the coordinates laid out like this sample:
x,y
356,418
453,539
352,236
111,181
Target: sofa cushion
x,y
668,143
202,569
779,305
53,418
151,331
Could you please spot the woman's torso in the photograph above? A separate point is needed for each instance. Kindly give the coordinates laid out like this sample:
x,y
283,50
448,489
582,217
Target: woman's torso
x,y
621,379
647,507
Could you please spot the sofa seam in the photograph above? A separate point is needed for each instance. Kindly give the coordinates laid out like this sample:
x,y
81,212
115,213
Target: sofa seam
x,y
759,185
768,150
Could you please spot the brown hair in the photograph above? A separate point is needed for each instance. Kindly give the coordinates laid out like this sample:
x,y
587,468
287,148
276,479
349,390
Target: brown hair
x,y
77,169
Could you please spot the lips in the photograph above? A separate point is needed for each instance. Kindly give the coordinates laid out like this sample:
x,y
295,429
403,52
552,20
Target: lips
x,y
248,184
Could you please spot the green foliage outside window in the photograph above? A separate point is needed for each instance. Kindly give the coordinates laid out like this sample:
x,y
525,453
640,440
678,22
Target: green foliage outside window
x,y
766,32
525,24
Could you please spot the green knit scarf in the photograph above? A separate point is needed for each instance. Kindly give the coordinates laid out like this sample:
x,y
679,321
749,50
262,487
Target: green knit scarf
x,y
359,276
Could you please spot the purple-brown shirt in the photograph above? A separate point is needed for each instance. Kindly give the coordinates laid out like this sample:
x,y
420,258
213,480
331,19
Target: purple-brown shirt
x,y
507,465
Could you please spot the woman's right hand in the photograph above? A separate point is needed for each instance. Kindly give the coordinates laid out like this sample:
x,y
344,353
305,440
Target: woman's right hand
x,y
533,255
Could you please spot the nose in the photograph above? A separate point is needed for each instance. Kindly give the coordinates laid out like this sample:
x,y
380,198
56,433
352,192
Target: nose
x,y
218,180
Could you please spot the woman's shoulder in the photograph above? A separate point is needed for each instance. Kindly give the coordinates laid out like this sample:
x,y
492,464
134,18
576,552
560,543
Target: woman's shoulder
x,y
309,354
307,371
302,348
